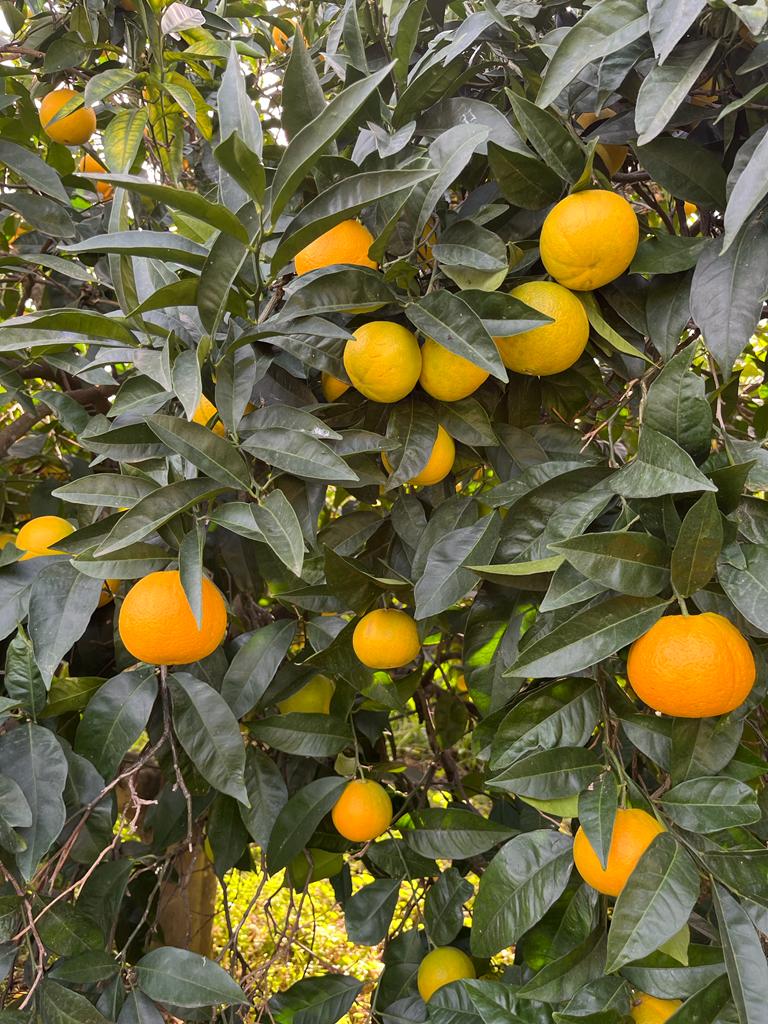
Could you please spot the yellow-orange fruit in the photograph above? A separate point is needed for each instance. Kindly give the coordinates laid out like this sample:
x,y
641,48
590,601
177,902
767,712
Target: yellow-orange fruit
x,y
383,361
612,155
363,811
72,130
38,536
313,698
588,239
553,347
652,1010
346,243
332,387
386,638
439,464
446,376
157,625
88,165
440,967
692,666
633,833
205,412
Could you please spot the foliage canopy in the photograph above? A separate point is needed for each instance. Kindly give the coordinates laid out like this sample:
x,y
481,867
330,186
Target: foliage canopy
x,y
581,507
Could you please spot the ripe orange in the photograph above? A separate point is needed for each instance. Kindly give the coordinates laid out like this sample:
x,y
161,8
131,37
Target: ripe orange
x,y
691,210
332,387
386,638
446,376
157,625
205,412
440,967
73,130
438,465
553,347
383,361
363,811
588,239
461,684
692,666
652,1010
346,243
427,239
88,165
280,39
108,592
613,156
7,538
633,833
38,536
314,697
705,94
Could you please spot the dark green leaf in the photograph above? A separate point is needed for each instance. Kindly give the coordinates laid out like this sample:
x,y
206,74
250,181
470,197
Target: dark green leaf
x,y
307,735
115,718
660,467
267,795
60,606
698,545
632,563
209,733
453,833
518,887
708,805
744,957
671,162
549,774
654,904
299,818
597,813
323,999
63,1006
588,636
444,906
186,979
368,913
254,666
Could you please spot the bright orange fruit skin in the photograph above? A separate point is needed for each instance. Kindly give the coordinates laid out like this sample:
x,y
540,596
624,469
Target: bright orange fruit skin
x,y
157,625
88,165
386,638
633,833
38,536
73,130
652,1010
346,243
692,666
439,464
363,811
440,967
588,239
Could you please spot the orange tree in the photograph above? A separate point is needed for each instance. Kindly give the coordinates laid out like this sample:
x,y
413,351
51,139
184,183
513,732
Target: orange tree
x,y
401,368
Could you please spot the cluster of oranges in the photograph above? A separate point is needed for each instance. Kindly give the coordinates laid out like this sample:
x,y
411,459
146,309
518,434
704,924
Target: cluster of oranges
x,y
587,240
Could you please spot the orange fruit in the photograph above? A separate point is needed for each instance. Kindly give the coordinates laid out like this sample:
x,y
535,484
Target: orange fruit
x,y
88,165
633,833
38,536
383,361
363,811
280,39
427,239
692,666
553,347
439,464
588,239
705,94
613,156
73,130
205,412
7,538
691,210
446,376
461,684
386,638
108,592
652,1010
313,698
332,387
346,243
157,625
440,967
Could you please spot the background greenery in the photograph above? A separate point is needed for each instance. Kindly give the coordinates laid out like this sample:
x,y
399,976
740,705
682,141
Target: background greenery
x,y
580,506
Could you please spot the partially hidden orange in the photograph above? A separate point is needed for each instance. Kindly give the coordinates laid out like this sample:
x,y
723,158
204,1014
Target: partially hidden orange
x,y
158,626
439,464
633,832
71,130
38,536
346,243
